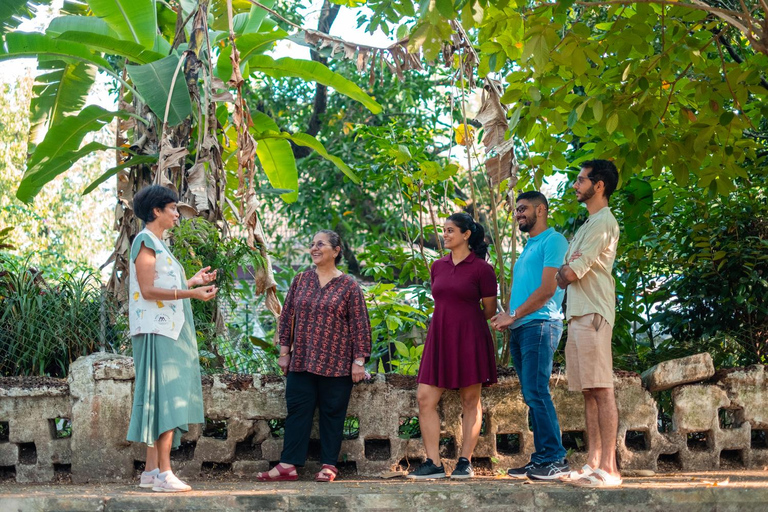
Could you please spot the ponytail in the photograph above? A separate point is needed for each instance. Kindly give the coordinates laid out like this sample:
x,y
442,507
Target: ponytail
x,y
477,238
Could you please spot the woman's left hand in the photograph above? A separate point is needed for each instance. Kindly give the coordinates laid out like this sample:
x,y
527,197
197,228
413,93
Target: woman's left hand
x,y
202,277
358,372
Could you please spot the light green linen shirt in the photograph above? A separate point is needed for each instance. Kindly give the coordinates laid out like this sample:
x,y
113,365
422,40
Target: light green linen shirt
x,y
595,290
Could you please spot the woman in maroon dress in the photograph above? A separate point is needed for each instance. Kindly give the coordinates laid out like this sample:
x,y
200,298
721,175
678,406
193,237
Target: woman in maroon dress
x,y
459,352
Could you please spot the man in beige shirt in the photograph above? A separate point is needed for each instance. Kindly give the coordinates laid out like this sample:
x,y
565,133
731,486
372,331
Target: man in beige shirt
x,y
590,313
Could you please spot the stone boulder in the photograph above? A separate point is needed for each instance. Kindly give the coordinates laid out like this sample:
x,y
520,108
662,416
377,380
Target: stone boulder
x,y
675,372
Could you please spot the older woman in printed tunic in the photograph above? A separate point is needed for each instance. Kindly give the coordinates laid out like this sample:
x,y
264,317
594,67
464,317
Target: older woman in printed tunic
x,y
331,343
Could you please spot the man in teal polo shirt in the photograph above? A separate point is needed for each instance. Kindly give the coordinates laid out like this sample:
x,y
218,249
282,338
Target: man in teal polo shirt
x,y
536,324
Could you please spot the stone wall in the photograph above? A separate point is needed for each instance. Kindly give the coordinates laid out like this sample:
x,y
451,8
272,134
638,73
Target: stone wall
x,y
722,421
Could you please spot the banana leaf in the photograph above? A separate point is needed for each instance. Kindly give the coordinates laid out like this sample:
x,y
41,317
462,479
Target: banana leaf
x,y
56,153
313,72
153,82
61,88
133,20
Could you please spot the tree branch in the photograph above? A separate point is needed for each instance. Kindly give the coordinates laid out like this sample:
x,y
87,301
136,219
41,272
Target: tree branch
x,y
328,15
737,58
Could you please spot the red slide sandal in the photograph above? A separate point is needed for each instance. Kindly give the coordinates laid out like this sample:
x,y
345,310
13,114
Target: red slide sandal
x,y
329,475
285,474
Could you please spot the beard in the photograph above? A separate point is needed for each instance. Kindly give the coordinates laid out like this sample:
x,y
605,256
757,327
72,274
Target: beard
x,y
586,195
529,223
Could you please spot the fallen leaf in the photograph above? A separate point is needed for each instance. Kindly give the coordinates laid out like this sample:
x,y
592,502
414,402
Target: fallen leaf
x,y
392,474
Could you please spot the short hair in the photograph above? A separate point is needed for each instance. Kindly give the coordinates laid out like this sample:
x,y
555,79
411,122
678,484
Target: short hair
x,y
151,197
534,196
335,240
605,171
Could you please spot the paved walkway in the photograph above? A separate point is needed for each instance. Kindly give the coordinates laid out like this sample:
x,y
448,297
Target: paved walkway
x,y
743,491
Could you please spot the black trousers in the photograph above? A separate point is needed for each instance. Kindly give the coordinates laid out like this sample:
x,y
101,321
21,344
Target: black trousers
x,y
303,392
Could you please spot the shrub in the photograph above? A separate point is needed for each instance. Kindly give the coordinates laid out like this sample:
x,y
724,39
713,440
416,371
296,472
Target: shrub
x,y
49,319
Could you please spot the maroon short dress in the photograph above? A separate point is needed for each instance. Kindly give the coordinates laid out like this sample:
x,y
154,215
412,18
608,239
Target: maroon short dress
x,y
459,351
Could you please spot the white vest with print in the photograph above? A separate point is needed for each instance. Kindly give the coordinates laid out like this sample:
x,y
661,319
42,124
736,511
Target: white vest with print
x,y
164,317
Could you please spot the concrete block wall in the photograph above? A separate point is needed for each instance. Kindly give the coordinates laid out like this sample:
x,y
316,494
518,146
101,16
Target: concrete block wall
x,y
724,419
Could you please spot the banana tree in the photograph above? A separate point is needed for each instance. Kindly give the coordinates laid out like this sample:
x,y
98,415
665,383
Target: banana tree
x,y
181,119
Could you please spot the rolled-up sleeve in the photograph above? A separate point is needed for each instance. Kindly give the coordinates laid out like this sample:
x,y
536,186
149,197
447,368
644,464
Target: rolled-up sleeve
x,y
359,324
594,243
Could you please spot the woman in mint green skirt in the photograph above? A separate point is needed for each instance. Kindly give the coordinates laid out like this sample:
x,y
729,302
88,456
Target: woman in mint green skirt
x,y
168,395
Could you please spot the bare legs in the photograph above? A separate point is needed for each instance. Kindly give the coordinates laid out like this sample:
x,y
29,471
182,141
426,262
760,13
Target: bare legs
x,y
602,419
471,418
429,420
151,463
159,456
594,443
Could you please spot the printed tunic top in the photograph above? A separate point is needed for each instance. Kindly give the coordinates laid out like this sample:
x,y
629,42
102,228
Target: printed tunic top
x,y
331,327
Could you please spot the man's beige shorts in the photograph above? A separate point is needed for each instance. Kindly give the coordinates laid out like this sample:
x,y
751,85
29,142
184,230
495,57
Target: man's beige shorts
x,y
588,357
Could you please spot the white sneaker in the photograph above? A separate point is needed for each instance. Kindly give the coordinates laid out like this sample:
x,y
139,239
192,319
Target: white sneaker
x,y
170,483
148,478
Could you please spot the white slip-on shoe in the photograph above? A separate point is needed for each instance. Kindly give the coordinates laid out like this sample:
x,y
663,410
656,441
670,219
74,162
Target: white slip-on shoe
x,y
585,470
171,483
598,478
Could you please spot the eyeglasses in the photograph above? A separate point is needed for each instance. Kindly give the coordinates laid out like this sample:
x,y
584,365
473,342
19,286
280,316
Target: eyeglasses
x,y
582,179
318,245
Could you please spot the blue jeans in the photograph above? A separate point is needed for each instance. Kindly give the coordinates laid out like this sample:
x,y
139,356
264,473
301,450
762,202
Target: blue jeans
x,y
532,347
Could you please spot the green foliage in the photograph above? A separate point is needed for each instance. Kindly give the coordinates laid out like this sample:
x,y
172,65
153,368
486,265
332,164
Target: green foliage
x,y
60,89
248,44
111,45
61,148
276,158
21,44
11,12
676,98
651,86
114,32
49,318
223,346
398,326
315,72
409,428
51,228
713,283
133,20
305,140
155,83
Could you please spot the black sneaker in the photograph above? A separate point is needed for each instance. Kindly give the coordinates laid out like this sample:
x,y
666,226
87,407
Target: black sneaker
x,y
427,471
463,469
520,472
549,470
